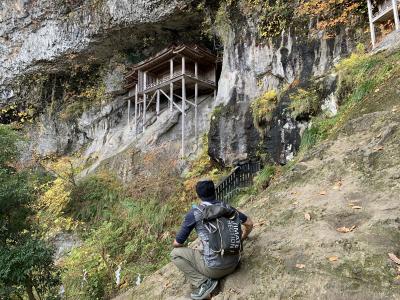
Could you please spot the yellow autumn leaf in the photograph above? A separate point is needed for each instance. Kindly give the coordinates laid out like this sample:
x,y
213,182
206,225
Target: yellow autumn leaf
x,y
333,258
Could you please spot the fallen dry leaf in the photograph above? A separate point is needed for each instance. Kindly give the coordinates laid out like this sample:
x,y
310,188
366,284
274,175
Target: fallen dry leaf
x,y
307,216
233,291
295,203
378,148
345,229
394,258
167,284
356,207
322,193
338,185
300,266
261,223
333,258
165,235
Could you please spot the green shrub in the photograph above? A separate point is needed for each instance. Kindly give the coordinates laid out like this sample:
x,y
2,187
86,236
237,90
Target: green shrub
x,y
93,197
263,178
318,130
304,103
263,107
26,262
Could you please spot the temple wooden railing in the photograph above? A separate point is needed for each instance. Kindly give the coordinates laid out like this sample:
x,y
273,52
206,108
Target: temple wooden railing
x,y
241,177
167,77
384,8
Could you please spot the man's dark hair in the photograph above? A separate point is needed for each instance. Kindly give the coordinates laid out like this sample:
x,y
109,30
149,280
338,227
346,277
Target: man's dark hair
x,y
206,190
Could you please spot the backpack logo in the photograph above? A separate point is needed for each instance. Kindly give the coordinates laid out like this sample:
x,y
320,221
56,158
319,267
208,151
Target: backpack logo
x,y
224,227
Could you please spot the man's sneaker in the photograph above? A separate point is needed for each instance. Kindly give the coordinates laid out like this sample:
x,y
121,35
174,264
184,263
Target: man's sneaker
x,y
204,290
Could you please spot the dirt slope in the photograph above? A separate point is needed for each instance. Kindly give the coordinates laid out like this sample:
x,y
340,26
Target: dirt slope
x,y
350,180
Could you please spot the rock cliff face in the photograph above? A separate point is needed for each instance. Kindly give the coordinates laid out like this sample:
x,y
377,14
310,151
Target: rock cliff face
x,y
43,42
43,34
47,37
251,68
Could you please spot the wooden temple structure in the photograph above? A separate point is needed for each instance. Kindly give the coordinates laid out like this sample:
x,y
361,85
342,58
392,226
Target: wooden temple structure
x,y
381,11
172,79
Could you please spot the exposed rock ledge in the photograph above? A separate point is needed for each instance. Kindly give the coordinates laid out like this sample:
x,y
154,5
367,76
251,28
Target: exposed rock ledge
x,y
48,33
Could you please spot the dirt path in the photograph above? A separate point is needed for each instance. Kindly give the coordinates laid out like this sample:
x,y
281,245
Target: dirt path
x,y
300,248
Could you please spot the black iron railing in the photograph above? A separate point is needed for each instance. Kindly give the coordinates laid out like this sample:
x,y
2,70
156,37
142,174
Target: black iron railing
x,y
241,177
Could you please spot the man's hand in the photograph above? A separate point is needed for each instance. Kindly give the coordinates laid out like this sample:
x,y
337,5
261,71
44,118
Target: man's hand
x,y
175,244
248,227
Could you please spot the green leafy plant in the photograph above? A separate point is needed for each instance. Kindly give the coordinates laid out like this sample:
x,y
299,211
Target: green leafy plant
x,y
304,103
273,16
263,107
264,177
26,262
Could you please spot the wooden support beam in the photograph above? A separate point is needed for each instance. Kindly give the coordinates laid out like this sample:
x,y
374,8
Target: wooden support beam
x,y
396,14
136,106
171,85
171,96
129,106
187,101
215,82
169,99
183,109
171,68
144,110
371,23
158,103
196,91
144,81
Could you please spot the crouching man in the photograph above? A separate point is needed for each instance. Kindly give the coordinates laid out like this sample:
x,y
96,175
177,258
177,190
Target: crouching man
x,y
204,268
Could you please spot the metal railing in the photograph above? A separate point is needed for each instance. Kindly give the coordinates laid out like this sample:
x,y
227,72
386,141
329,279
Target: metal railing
x,y
241,177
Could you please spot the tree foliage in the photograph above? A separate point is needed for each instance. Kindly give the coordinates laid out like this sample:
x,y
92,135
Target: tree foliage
x,y
329,14
274,15
26,262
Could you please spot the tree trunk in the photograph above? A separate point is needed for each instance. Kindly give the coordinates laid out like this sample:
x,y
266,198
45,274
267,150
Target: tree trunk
x,y
29,290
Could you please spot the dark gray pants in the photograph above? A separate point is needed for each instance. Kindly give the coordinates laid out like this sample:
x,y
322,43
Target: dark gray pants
x,y
192,264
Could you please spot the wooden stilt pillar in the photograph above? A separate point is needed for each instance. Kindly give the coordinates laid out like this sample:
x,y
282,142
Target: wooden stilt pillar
x,y
196,91
171,85
129,107
371,23
144,99
183,105
136,106
396,14
158,103
144,110
183,115
215,82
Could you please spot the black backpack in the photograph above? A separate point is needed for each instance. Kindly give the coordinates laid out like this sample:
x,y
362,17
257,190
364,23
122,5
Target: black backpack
x,y
224,227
